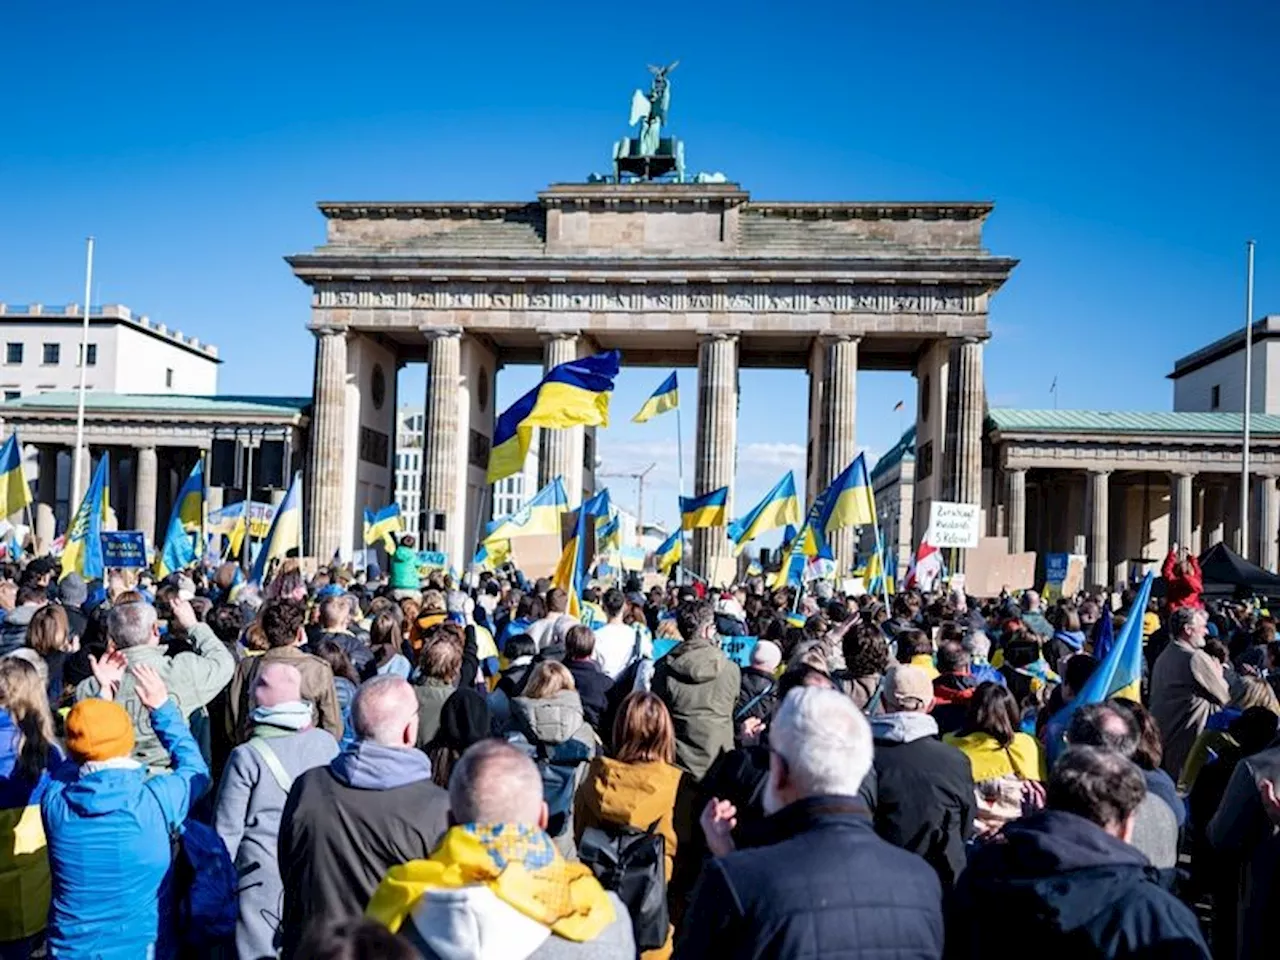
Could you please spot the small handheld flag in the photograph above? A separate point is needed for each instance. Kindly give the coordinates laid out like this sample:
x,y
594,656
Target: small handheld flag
x,y
666,397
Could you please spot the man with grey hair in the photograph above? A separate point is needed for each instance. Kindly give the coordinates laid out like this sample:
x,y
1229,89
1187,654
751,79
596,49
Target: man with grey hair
x,y
345,824
1187,687
194,677
813,879
499,821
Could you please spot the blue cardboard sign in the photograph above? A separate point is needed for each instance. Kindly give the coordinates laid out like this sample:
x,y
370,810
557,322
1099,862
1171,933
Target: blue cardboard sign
x,y
123,549
662,647
432,560
738,649
1055,567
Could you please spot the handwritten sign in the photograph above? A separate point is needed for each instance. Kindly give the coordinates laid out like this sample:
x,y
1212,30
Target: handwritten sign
x,y
954,524
124,549
738,649
430,561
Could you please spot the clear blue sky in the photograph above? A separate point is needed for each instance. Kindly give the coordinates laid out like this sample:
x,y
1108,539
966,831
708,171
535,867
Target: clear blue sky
x,y
1130,149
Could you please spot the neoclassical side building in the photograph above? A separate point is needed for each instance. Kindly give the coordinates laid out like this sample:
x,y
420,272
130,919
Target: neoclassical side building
x,y
670,274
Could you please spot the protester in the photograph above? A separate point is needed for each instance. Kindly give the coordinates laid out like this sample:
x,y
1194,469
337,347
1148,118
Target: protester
x,y
1067,882
440,668
1148,754
465,719
282,622
916,649
924,788
953,688
49,635
13,631
866,658
699,685
756,690
618,644
345,683
1032,615
1252,692
549,631
251,799
109,825
814,880
192,678
335,626
346,824
1068,639
386,641
405,581
1187,687
591,682
1183,580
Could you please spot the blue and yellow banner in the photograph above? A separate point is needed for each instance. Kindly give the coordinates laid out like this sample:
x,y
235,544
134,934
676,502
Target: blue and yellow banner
x,y
779,508
82,551
285,533
15,494
541,515
708,510
570,395
666,397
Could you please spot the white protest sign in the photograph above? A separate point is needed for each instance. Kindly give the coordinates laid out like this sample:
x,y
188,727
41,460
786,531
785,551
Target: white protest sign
x,y
954,524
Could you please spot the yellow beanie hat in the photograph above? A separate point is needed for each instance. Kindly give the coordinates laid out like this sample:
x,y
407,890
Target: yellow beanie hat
x,y
98,730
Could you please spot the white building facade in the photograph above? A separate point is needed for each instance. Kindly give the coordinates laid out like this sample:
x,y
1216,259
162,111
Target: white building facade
x,y
1211,380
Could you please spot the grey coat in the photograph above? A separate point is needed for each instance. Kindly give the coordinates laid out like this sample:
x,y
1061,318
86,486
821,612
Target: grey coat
x,y
250,802
1187,687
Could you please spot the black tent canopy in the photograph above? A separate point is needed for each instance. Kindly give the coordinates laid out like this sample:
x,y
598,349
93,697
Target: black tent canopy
x,y
1226,572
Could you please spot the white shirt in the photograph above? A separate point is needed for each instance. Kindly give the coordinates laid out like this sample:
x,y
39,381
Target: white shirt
x,y
546,631
616,647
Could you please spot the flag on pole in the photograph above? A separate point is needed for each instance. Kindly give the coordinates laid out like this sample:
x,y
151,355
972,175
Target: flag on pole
x,y
82,550
1105,637
571,571
666,397
670,552
707,510
779,508
382,525
540,515
285,533
186,519
15,494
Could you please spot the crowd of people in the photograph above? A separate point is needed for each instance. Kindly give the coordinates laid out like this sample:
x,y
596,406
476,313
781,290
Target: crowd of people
x,y
346,767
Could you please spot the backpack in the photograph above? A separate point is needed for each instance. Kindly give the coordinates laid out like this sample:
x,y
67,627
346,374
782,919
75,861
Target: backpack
x,y
558,765
204,889
632,863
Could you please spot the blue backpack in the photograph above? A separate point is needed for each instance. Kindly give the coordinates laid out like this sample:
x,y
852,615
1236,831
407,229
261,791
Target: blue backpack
x,y
558,764
204,890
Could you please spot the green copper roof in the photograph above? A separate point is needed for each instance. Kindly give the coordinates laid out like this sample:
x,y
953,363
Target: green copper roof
x,y
159,402
904,449
1120,421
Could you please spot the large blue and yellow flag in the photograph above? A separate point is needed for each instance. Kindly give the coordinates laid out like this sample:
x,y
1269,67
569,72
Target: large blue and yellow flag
x,y
186,521
82,552
779,508
1118,675
570,395
849,501
666,397
708,510
670,552
541,515
285,533
14,492
571,571
383,525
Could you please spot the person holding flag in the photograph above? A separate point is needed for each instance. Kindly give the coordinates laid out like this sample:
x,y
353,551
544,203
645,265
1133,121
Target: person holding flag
x,y
187,519
383,525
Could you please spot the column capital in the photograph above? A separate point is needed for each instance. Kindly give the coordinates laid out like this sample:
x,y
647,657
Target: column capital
x,y
1099,472
440,333
829,338
328,328
571,334
714,336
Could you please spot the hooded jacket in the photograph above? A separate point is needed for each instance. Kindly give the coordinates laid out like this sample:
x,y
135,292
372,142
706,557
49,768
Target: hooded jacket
x,y
924,791
549,722
115,823
346,824
317,688
699,685
1063,644
1063,883
13,632
24,860
952,693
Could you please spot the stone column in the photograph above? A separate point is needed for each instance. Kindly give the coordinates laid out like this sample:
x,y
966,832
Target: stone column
x,y
717,444
1180,507
1268,521
838,439
328,429
1016,509
46,494
146,467
560,451
970,410
1099,566
1215,514
440,452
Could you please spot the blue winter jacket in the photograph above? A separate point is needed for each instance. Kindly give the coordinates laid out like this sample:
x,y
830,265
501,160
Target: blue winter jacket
x,y
109,848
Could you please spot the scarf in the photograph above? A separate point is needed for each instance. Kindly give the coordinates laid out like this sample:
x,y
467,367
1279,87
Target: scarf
x,y
90,767
290,715
518,863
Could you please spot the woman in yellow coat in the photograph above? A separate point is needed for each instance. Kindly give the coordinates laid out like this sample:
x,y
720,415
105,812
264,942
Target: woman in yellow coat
x,y
639,784
1008,766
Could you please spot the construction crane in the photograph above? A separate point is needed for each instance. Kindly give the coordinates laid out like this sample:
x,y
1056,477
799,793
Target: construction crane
x,y
639,479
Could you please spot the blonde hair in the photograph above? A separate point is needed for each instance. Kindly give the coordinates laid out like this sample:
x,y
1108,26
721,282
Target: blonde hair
x,y
49,631
22,694
1256,692
547,679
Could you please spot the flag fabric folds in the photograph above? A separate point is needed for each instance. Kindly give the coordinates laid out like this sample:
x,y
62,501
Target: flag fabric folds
x,y
382,525
1119,674
186,520
670,552
14,492
666,397
779,508
540,515
1106,636
708,510
82,547
572,394
285,533
609,532
571,571
849,500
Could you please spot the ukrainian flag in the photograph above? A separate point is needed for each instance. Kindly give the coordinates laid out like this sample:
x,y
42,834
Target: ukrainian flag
x,y
570,395
381,524
779,508
83,550
666,397
285,533
849,501
609,532
492,554
709,510
754,569
540,515
1118,675
670,552
14,492
571,571
187,518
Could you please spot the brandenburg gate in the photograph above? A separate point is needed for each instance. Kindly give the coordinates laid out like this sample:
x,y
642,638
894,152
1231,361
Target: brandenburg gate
x,y
671,274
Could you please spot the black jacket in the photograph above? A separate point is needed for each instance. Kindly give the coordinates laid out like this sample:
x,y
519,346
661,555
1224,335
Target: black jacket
x,y
356,648
823,885
755,696
924,792
1057,882
593,689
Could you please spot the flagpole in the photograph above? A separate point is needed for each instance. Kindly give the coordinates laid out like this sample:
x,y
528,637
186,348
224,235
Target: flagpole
x,y
1248,401
78,458
680,474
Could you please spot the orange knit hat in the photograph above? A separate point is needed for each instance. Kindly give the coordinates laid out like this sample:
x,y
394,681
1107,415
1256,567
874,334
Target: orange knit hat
x,y
98,730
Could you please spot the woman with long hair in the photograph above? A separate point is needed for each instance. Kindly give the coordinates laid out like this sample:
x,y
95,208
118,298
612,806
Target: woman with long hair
x,y
345,683
28,755
49,634
387,641
1008,765
640,784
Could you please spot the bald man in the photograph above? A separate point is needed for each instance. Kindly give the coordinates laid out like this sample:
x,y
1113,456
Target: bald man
x,y
374,806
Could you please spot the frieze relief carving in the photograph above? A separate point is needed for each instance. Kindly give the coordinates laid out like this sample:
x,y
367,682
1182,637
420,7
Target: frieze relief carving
x,y
654,297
